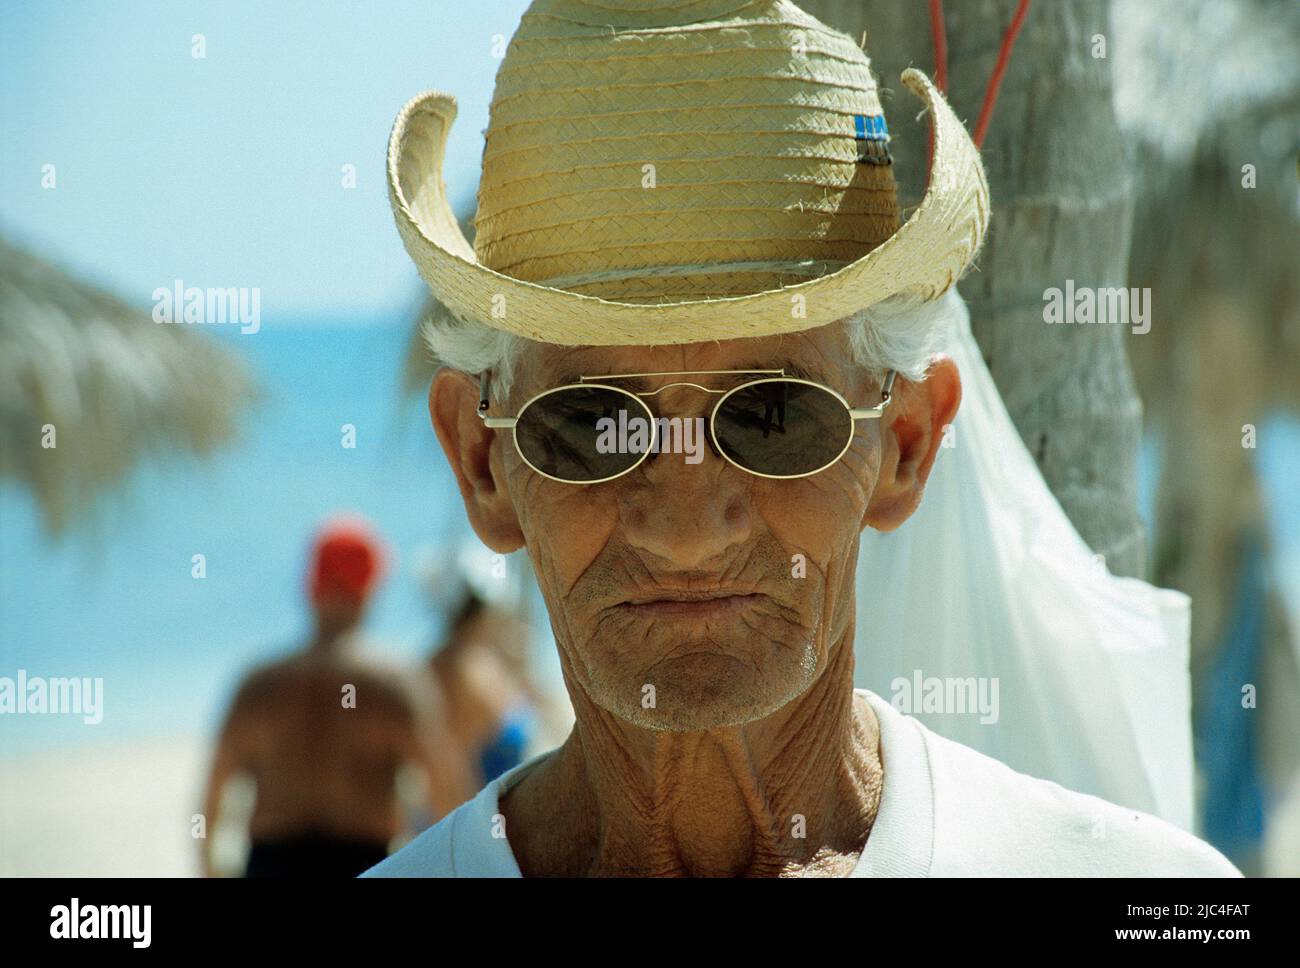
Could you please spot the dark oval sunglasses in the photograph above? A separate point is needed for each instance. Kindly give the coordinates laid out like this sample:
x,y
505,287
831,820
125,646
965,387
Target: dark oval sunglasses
x,y
775,426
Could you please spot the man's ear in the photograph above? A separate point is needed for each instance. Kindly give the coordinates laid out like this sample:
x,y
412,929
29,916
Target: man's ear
x,y
910,441
476,462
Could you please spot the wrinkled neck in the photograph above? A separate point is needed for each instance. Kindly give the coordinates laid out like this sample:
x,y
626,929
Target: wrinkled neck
x,y
790,793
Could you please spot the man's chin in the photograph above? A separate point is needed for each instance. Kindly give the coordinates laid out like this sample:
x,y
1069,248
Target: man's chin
x,y
708,689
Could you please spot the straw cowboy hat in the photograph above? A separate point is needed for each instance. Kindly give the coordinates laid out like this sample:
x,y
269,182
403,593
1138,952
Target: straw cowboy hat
x,y
667,171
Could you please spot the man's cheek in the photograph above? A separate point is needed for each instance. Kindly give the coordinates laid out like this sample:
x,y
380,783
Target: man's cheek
x,y
859,470
567,527
815,516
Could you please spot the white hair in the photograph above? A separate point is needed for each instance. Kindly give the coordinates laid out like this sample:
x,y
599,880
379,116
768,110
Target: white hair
x,y
900,334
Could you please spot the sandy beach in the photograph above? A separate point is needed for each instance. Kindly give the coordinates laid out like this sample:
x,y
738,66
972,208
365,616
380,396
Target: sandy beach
x,y
125,809
115,809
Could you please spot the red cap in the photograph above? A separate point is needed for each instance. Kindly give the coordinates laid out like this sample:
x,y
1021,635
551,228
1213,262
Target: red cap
x,y
347,560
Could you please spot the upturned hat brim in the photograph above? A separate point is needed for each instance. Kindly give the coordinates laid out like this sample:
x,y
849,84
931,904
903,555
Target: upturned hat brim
x,y
924,258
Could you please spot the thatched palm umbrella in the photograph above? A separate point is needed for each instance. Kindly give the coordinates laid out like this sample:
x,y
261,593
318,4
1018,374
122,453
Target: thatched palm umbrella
x,y
90,385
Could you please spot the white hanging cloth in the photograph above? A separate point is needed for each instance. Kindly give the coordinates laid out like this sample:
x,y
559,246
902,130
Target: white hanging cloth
x,y
989,579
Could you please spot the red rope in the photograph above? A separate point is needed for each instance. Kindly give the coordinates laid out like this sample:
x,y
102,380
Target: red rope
x,y
995,82
940,45
940,37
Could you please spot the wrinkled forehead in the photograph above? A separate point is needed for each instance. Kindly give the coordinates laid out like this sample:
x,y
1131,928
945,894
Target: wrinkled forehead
x,y
820,354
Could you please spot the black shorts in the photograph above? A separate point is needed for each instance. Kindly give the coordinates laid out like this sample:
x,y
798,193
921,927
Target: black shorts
x,y
313,855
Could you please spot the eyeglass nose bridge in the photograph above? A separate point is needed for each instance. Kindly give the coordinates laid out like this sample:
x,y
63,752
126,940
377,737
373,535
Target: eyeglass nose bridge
x,y
708,424
708,439
679,383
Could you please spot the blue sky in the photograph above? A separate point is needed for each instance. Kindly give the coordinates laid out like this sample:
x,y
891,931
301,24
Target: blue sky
x,y
226,171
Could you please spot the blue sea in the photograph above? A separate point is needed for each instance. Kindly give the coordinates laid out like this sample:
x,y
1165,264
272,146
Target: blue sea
x,y
118,601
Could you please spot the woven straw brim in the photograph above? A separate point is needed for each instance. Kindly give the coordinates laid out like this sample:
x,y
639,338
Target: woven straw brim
x,y
923,258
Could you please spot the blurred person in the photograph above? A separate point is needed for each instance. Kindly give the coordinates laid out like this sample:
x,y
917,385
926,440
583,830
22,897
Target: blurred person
x,y
482,669
481,665
324,731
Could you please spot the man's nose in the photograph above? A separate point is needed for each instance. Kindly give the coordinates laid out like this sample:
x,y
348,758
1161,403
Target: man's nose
x,y
687,514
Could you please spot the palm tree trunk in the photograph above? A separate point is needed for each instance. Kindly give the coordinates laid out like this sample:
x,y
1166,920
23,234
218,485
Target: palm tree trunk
x,y
1062,202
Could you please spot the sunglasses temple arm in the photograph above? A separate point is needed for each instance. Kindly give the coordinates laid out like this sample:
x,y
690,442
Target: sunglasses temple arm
x,y
505,423
878,411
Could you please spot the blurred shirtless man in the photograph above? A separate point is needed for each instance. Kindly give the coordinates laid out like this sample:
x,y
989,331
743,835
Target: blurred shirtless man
x,y
324,732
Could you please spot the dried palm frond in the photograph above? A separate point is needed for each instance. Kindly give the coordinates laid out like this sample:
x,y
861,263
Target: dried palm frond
x,y
90,385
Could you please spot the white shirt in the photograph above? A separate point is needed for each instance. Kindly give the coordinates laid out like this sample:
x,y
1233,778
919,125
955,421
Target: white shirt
x,y
946,810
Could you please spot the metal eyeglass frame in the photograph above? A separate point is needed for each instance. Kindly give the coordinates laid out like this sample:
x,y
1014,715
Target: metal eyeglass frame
x,y
773,376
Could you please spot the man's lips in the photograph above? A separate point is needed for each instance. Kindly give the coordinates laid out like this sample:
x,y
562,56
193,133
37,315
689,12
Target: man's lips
x,y
690,604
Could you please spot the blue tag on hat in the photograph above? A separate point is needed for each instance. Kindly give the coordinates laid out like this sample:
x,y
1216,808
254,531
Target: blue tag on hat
x,y
872,137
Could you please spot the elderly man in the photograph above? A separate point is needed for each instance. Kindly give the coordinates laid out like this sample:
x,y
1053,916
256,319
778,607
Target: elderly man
x,y
687,218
